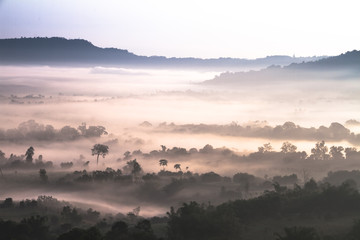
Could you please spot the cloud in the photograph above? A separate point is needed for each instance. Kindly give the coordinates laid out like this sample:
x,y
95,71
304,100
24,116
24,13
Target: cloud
x,y
120,71
352,122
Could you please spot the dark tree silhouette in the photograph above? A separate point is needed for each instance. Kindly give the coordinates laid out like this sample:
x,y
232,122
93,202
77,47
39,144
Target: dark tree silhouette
x,y
163,162
92,233
29,154
119,230
134,168
298,233
265,148
288,147
163,148
143,231
177,166
99,150
43,175
336,153
2,155
320,151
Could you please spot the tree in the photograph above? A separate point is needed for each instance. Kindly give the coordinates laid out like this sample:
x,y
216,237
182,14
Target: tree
x,y
134,168
210,177
336,153
69,133
265,148
136,211
70,215
143,231
119,230
43,175
8,203
287,147
311,185
2,155
194,221
298,233
163,148
92,131
177,166
163,162
350,152
99,149
320,151
127,155
29,154
92,233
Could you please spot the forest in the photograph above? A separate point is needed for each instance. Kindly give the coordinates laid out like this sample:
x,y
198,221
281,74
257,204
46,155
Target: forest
x,y
191,205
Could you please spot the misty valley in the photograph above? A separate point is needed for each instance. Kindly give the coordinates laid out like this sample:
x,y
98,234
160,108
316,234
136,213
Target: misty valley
x,y
104,144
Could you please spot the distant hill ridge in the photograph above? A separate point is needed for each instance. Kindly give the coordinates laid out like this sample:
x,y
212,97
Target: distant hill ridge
x,y
344,66
61,51
350,59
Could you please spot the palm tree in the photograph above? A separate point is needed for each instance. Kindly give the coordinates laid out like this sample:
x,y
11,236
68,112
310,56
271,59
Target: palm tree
x,y
177,166
163,162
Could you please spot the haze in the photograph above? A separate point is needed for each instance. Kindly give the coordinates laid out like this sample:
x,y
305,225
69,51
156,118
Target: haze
x,y
246,29
242,115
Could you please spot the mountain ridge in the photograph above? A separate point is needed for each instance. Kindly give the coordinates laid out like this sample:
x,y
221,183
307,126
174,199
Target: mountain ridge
x,y
62,51
343,66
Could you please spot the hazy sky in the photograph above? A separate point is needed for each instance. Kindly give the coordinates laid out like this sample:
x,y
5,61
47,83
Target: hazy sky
x,y
199,28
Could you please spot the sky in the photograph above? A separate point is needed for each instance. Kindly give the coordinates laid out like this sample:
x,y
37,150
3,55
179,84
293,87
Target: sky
x,y
192,28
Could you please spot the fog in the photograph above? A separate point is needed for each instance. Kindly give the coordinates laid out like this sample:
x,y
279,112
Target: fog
x,y
180,112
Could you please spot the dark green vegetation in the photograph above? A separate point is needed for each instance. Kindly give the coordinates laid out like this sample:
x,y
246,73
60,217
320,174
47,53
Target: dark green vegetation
x,y
207,205
314,211
37,227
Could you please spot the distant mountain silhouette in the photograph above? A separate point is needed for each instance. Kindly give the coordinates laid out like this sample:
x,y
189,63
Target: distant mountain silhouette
x,y
78,52
344,66
345,61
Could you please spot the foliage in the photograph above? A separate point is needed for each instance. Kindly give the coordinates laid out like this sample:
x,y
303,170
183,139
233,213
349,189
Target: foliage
x,y
210,177
99,150
163,162
43,175
29,154
319,152
298,233
288,148
32,228
81,234
198,221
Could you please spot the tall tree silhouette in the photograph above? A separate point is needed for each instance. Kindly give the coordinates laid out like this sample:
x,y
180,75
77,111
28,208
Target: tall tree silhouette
x,y
177,166
163,163
29,154
99,150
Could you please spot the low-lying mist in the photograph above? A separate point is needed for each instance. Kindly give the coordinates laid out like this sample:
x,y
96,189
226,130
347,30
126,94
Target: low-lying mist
x,y
204,129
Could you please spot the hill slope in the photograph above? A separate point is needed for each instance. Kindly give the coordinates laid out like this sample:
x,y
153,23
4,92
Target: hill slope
x,y
61,51
344,66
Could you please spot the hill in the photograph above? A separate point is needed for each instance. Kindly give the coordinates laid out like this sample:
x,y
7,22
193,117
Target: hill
x,y
78,52
344,66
